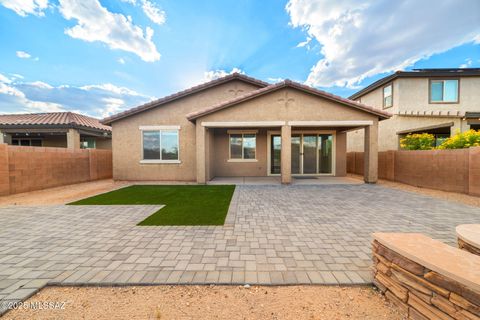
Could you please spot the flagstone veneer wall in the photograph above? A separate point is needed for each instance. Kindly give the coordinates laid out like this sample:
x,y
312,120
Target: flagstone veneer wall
x,y
439,284
448,170
25,169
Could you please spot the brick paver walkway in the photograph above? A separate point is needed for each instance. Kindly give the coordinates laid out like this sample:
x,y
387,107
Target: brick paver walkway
x,y
274,235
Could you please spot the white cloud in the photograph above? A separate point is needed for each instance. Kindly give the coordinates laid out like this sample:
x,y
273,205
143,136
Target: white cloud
x,y
11,96
360,39
97,100
215,74
23,55
153,12
111,88
467,64
26,55
133,2
4,79
40,84
121,60
26,7
96,23
275,80
112,106
304,43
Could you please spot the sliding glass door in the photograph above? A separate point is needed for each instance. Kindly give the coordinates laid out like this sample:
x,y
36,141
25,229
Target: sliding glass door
x,y
312,154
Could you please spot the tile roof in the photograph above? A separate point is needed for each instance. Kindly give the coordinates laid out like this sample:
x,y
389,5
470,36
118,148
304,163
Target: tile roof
x,y
287,83
52,119
183,93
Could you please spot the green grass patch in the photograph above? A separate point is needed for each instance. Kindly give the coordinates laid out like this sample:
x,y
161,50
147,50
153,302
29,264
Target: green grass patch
x,y
185,205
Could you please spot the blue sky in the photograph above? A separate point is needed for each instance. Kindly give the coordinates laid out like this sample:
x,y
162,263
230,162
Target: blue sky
x,y
100,57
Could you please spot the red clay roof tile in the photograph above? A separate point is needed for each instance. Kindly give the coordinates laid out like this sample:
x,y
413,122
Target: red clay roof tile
x,y
52,119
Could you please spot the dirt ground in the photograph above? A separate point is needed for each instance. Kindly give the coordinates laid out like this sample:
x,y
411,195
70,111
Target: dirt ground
x,y
69,193
211,302
450,196
62,194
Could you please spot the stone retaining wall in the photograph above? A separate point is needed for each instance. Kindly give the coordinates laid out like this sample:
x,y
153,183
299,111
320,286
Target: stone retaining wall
x,y
468,247
419,292
25,169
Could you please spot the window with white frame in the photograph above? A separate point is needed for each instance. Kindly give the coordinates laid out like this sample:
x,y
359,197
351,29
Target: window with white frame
x,y
160,144
243,145
387,96
444,90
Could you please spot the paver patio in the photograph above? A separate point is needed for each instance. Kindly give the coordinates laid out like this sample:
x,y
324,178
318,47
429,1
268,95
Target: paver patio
x,y
273,235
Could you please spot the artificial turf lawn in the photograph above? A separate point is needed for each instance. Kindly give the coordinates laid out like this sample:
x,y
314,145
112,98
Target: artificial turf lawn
x,y
187,205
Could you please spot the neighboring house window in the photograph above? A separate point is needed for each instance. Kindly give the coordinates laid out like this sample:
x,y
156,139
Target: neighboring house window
x,y
87,143
243,146
160,144
27,142
387,96
444,90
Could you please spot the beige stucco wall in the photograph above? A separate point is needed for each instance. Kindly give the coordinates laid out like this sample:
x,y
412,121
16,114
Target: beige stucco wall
x,y
387,130
55,141
224,168
412,94
126,136
305,107
375,98
341,154
103,143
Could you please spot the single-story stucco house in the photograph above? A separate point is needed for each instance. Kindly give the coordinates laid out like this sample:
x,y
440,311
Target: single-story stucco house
x,y
240,126
54,129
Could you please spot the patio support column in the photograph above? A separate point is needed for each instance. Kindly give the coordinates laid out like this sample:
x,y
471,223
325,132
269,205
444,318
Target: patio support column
x,y
370,171
73,139
200,146
286,154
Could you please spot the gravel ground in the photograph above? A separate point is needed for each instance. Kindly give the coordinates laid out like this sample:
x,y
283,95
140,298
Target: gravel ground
x,y
444,195
62,194
211,302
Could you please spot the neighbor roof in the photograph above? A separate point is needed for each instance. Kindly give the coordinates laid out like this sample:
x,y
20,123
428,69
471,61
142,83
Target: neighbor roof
x,y
184,93
51,119
288,83
455,72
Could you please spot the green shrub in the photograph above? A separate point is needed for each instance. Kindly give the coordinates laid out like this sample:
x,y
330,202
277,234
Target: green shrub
x,y
467,139
418,141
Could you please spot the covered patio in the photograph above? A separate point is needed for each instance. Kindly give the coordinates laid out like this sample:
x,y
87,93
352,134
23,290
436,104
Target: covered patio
x,y
296,180
283,150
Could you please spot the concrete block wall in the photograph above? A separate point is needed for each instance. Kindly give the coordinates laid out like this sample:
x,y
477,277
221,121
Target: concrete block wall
x,y
4,170
448,170
474,171
25,169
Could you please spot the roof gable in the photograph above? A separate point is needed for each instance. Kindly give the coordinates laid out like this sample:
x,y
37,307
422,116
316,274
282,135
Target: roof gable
x,y
287,84
185,93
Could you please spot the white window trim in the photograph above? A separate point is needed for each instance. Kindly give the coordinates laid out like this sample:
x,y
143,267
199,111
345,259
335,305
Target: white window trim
x,y
242,132
153,128
443,91
160,129
384,96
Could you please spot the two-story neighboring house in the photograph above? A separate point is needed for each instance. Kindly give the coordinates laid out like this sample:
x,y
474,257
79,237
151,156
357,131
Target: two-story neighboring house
x,y
436,101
